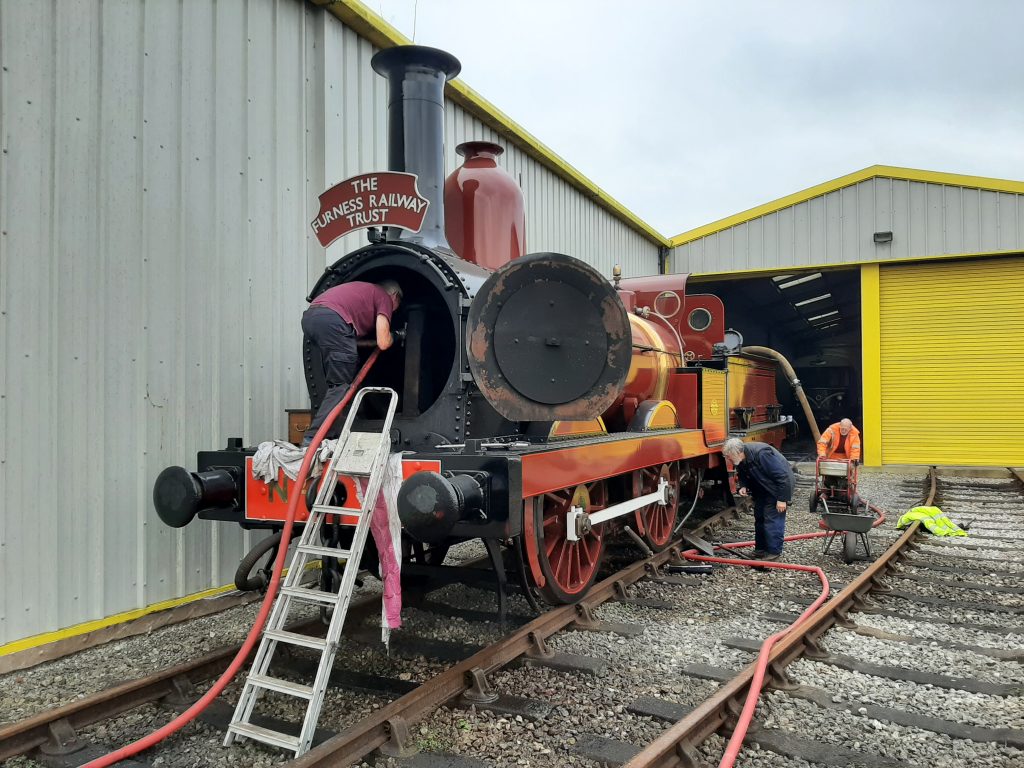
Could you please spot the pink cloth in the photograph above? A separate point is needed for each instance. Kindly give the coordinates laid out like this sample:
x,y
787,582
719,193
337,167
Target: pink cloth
x,y
390,567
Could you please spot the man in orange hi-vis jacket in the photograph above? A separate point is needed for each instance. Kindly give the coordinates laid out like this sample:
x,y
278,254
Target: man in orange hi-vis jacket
x,y
840,441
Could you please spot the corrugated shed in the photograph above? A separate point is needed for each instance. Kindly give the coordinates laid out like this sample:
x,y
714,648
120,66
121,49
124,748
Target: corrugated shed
x,y
154,266
926,220
161,163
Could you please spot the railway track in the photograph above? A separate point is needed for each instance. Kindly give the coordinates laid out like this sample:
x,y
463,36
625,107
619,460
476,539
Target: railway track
x,y
501,688
944,598
65,735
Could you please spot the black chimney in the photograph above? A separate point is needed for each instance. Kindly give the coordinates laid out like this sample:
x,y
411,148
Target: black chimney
x,y
416,77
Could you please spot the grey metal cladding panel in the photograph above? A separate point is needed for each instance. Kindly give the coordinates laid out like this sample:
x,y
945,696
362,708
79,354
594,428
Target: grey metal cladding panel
x,y
970,201
784,236
952,203
848,220
754,235
355,120
833,227
819,231
802,233
881,204
900,219
770,222
935,223
864,227
989,220
29,270
1009,233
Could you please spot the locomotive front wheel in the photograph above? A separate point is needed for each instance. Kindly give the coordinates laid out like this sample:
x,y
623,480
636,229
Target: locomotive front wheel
x,y
569,567
657,520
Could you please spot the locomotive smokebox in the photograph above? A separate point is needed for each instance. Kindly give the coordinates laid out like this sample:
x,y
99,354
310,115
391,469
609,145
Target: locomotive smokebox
x,y
416,77
548,338
430,504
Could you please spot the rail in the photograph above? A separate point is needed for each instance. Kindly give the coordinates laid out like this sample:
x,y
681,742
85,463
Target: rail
x,y
677,746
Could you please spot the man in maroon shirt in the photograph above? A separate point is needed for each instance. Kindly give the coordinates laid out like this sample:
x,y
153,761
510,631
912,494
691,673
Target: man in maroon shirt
x,y
334,321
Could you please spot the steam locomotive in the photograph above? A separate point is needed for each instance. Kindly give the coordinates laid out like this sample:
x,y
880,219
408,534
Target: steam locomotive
x,y
542,406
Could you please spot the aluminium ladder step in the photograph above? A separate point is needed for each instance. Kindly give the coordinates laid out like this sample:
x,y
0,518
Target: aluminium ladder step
x,y
312,595
315,549
282,686
266,735
328,509
294,638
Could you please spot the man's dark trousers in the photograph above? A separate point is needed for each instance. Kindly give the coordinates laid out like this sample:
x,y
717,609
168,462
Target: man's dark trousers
x,y
769,525
335,341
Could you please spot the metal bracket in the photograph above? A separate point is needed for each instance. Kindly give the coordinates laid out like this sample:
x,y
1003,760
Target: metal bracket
x,y
183,693
619,587
779,678
480,691
538,647
733,710
842,617
63,739
399,743
688,755
861,603
879,585
585,616
813,648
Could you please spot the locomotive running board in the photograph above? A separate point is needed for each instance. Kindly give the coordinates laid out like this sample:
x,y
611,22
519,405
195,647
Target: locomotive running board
x,y
360,455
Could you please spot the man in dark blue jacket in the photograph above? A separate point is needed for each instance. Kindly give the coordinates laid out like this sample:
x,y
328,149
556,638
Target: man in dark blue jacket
x,y
764,474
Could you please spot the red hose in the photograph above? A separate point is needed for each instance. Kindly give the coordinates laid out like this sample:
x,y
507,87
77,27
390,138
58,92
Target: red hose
x,y
732,750
254,634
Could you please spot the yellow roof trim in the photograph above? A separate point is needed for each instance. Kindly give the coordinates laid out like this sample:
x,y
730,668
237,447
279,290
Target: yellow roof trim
x,y
884,171
369,25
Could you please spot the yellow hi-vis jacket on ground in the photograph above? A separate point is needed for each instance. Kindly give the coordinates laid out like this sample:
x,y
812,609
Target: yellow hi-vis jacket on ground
x,y
932,519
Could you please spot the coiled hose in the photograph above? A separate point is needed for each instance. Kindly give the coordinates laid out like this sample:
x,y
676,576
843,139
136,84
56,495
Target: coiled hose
x,y
268,601
250,583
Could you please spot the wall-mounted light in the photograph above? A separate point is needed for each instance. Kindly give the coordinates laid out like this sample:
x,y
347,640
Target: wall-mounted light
x,y
883,237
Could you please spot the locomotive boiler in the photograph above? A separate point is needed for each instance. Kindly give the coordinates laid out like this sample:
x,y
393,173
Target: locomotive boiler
x,y
542,406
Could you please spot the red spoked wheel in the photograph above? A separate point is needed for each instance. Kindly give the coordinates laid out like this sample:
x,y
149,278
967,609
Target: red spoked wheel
x,y
657,520
569,567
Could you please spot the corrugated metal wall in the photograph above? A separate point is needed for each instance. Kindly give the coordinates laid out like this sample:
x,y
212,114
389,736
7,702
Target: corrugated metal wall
x,y
161,163
838,227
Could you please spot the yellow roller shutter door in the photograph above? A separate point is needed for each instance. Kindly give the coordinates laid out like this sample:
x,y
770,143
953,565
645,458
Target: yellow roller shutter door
x,y
952,359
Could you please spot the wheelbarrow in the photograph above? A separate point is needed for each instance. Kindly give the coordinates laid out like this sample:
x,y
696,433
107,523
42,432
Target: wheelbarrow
x,y
854,529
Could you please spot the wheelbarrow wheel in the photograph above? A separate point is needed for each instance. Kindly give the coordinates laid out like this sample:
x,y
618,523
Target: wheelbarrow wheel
x,y
815,498
849,546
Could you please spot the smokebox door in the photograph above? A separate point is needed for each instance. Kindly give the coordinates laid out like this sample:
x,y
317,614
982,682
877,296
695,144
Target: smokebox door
x,y
548,339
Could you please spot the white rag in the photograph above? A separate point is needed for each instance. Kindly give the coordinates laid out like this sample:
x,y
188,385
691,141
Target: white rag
x,y
275,455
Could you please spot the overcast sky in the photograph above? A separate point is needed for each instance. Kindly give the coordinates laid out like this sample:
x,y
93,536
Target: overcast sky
x,y
687,112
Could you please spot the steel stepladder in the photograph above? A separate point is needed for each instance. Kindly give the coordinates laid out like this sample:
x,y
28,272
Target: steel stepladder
x,y
359,455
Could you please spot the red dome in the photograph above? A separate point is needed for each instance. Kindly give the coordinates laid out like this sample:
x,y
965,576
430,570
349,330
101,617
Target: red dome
x,y
484,213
